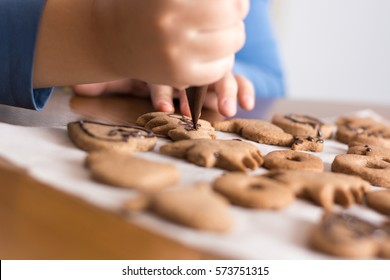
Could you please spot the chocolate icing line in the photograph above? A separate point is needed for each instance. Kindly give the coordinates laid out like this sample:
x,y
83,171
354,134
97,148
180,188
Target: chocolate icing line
x,y
125,135
358,227
315,123
368,130
187,123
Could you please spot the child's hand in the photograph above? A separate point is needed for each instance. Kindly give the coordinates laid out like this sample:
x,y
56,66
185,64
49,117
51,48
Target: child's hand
x,y
170,42
177,43
222,95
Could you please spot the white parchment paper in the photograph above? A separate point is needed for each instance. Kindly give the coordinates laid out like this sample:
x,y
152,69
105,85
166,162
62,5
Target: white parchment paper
x,y
49,156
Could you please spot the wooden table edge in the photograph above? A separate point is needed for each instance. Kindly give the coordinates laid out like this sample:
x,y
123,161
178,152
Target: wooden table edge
x,y
41,222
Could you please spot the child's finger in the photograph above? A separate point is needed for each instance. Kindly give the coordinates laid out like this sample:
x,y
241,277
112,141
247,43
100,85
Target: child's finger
x,y
162,98
184,107
246,93
226,90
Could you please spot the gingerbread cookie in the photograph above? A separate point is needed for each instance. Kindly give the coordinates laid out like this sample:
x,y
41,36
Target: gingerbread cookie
x,y
345,235
379,201
374,140
131,172
288,159
375,170
225,154
256,130
365,130
253,191
196,207
302,125
177,127
358,148
324,188
93,136
307,143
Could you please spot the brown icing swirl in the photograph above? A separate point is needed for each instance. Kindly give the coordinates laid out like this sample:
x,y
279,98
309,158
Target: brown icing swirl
x,y
370,131
125,132
186,122
316,124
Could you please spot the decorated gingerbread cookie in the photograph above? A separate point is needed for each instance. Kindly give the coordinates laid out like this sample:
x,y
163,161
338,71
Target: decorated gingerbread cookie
x,y
94,136
365,130
344,235
177,127
373,139
358,148
303,125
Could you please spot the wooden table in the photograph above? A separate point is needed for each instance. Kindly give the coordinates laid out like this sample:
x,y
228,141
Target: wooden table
x,y
39,222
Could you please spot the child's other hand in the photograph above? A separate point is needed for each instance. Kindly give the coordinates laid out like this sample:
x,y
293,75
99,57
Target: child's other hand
x,y
222,96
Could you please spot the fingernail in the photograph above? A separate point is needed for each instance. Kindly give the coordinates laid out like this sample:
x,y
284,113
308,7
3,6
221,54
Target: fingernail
x,y
230,107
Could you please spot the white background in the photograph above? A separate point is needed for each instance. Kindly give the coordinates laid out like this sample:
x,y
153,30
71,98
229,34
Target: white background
x,y
112,270
335,49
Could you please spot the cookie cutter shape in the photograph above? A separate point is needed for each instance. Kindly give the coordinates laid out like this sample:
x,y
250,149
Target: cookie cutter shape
x,y
226,154
256,130
324,188
292,160
253,191
127,171
93,136
345,235
197,207
374,170
303,125
177,127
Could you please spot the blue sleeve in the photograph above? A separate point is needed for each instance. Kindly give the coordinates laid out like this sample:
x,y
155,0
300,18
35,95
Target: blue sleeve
x,y
19,22
258,60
